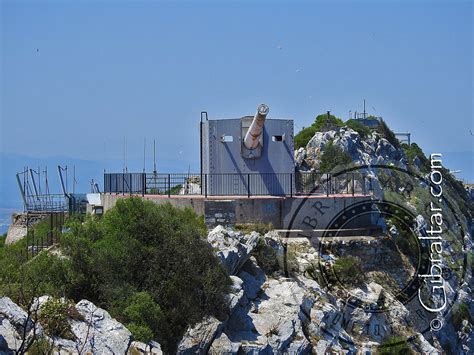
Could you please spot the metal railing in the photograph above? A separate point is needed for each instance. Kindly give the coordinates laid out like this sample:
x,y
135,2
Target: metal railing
x,y
38,239
52,203
235,184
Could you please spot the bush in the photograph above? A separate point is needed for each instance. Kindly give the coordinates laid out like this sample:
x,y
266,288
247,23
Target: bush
x,y
332,157
147,265
363,130
395,345
54,315
261,228
321,123
387,133
143,316
349,269
139,253
3,237
412,151
460,312
266,257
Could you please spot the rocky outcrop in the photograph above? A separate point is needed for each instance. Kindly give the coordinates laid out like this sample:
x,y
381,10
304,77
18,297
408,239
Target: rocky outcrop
x,y
16,327
371,150
232,248
94,331
18,228
98,333
198,339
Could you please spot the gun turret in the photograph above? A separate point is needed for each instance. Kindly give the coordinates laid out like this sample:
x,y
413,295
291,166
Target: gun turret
x,y
252,136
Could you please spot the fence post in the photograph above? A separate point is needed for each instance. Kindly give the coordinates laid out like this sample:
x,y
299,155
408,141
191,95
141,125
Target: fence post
x,y
291,184
169,185
131,183
327,184
248,185
123,184
353,186
205,185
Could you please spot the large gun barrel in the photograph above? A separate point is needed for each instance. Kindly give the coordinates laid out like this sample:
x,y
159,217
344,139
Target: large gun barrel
x,y
256,127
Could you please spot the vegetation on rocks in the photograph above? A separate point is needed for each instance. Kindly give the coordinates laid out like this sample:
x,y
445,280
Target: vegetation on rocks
x,y
332,157
322,122
349,269
460,313
395,345
266,257
388,134
360,128
53,316
262,228
148,265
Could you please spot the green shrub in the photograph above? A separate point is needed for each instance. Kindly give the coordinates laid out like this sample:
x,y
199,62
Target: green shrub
x,y
53,316
387,133
261,228
148,265
349,269
138,246
412,151
395,345
332,157
363,130
142,316
3,237
40,346
321,123
266,257
460,313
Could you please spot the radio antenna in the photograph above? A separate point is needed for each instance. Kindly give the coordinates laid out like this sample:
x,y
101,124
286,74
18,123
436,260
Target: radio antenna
x,y
154,157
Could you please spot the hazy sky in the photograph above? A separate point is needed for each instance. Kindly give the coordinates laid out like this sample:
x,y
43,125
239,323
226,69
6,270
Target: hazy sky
x,y
76,77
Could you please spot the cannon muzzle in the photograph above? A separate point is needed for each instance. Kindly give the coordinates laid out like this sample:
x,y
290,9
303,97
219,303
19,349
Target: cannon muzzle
x,y
255,130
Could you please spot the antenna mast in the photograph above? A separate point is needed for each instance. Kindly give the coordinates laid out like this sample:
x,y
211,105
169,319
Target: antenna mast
x,y
154,157
144,154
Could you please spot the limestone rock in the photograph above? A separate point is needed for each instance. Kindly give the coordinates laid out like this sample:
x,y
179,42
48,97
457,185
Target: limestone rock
x,y
198,338
14,322
151,348
232,248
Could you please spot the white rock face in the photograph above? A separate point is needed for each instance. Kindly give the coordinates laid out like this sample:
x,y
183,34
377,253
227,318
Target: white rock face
x,y
268,317
198,339
97,333
232,248
14,322
151,348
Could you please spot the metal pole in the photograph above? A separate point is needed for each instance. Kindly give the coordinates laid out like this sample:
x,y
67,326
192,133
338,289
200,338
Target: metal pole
x,y
205,185
248,185
327,184
200,147
353,188
169,185
291,184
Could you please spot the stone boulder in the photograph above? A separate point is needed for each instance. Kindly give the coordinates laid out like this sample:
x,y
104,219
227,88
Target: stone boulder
x,y
15,326
232,248
198,338
272,322
97,333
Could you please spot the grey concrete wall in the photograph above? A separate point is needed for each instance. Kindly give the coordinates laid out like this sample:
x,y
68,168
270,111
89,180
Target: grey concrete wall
x,y
282,212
